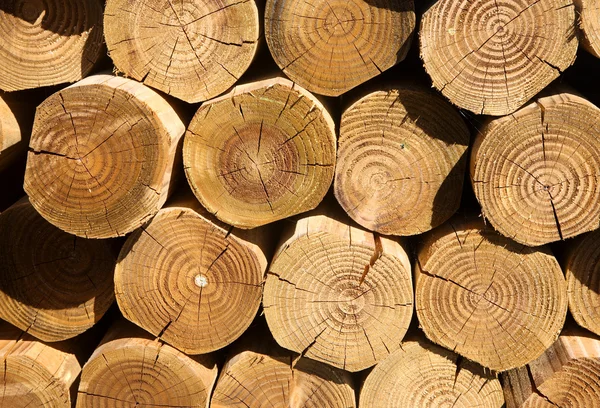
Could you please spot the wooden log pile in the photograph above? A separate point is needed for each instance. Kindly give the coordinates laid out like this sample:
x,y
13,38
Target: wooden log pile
x,y
300,203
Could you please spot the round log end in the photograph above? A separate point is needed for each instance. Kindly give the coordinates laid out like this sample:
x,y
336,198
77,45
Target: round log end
x,y
191,49
195,285
48,42
261,153
421,374
101,156
401,161
53,285
589,23
339,301
329,47
254,379
491,300
141,372
492,57
536,173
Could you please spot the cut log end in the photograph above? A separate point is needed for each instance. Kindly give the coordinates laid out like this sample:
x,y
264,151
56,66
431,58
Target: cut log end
x,y
421,374
263,152
401,161
496,302
331,47
589,23
137,371
101,156
52,285
204,45
48,42
582,272
35,374
254,379
566,375
536,173
339,294
195,285
492,57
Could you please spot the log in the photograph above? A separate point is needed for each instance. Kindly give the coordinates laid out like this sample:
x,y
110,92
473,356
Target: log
x,y
582,271
259,374
492,57
129,368
13,143
566,375
401,160
53,285
421,374
337,293
536,172
191,280
331,47
101,156
589,25
263,152
35,374
489,299
48,42
191,49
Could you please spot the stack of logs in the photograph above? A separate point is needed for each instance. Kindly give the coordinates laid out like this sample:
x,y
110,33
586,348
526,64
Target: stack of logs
x,y
285,212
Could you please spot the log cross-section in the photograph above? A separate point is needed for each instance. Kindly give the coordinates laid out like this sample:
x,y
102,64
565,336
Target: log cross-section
x,y
261,153
491,57
331,46
421,374
101,156
337,293
191,49
489,299
536,173
48,42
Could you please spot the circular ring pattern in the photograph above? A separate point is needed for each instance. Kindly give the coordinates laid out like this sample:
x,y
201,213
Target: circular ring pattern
x,y
52,285
319,301
191,49
491,300
263,152
48,42
536,173
423,375
401,161
331,46
491,57
191,283
101,156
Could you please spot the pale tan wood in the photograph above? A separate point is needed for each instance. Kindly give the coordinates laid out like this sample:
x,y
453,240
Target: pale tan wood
x,y
421,374
101,156
401,160
582,271
48,42
191,49
589,24
53,285
337,293
190,279
35,374
536,172
491,57
331,46
489,299
260,374
263,152
565,375
12,142
129,369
